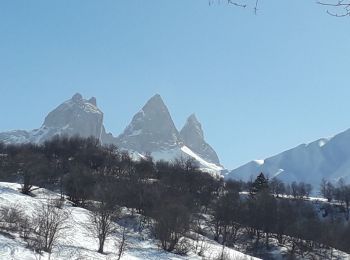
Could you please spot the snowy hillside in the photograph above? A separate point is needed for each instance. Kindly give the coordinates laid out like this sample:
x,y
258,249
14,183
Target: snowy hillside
x,y
325,158
76,244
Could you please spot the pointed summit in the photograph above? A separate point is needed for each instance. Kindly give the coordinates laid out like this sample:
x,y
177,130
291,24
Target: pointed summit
x,y
192,117
151,129
155,99
193,137
194,125
93,101
155,103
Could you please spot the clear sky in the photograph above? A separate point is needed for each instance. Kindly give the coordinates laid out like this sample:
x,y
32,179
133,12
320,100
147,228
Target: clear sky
x,y
258,84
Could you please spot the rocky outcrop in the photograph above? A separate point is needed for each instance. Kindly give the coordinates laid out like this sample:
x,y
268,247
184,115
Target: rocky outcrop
x,y
193,137
151,129
76,116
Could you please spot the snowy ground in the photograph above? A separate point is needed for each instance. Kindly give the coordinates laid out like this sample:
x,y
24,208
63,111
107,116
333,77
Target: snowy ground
x,y
77,244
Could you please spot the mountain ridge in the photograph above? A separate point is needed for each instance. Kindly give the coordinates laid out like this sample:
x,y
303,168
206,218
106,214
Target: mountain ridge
x,y
327,158
151,130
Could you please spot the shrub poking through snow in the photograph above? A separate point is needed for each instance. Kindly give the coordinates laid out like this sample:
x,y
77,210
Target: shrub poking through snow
x,y
11,217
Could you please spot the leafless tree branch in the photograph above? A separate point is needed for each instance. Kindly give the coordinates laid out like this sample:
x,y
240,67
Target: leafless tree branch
x,y
338,8
236,3
239,3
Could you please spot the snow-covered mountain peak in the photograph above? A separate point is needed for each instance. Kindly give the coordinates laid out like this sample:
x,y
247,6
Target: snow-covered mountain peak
x,y
155,105
72,112
327,158
193,137
194,126
192,118
93,101
151,129
76,116
77,97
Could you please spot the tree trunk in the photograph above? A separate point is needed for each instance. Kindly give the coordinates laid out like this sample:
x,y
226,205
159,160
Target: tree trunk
x,y
257,237
101,245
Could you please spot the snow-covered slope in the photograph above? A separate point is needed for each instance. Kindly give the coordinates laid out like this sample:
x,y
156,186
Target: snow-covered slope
x,y
185,152
15,137
325,158
77,244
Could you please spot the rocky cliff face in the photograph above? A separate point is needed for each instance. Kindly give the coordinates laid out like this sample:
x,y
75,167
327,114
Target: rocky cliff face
x,y
193,137
76,116
151,129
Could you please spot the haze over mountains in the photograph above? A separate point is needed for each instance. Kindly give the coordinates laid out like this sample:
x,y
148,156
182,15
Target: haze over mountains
x,y
151,130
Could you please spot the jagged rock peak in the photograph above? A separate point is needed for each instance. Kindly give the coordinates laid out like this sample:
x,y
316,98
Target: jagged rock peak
x,y
76,116
193,118
93,101
193,137
77,97
151,129
193,124
155,102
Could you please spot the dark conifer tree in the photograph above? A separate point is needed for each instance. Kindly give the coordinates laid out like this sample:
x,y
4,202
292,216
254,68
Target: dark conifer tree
x,y
261,183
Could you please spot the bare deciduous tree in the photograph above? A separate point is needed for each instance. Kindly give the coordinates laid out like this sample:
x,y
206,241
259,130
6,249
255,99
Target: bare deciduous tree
x,y
49,223
101,222
172,222
121,246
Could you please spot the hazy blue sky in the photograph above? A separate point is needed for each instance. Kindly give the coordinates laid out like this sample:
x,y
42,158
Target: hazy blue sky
x,y
259,84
